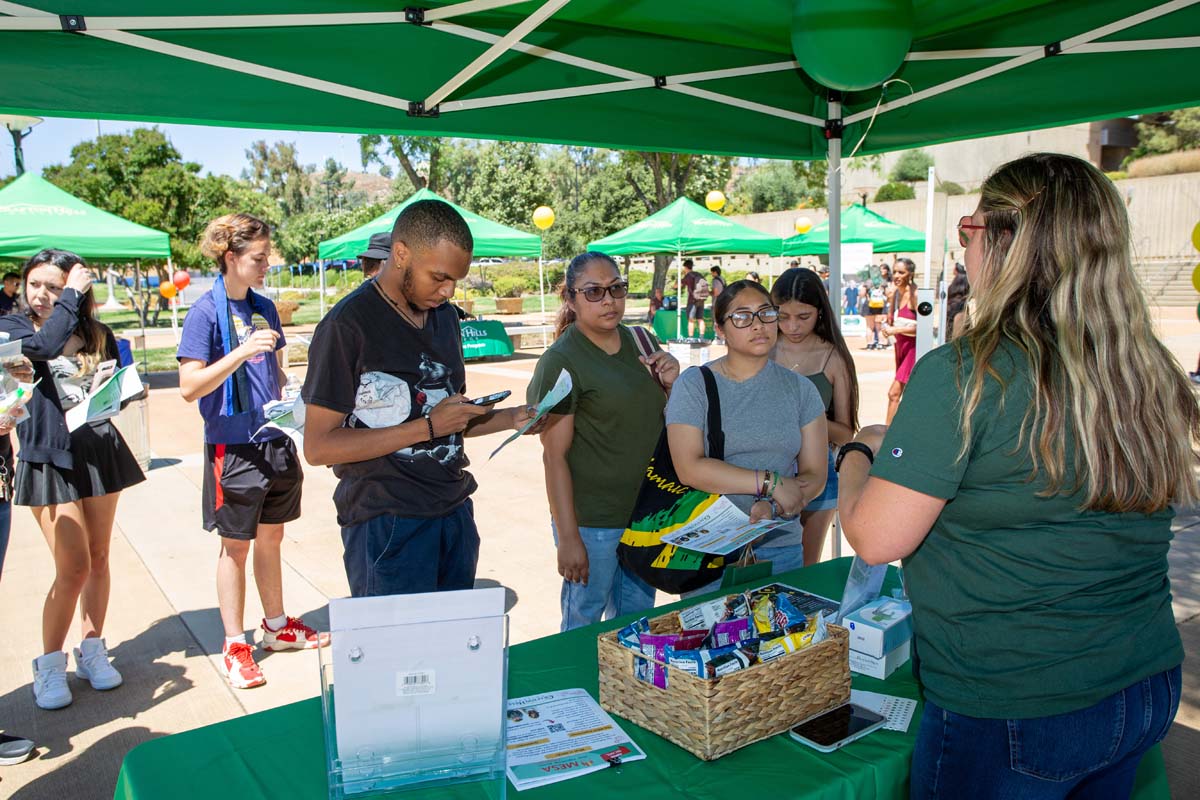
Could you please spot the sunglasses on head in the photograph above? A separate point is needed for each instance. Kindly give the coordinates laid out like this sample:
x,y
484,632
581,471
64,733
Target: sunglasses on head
x,y
595,294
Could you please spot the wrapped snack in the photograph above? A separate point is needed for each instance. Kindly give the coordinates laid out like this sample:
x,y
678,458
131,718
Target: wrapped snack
x,y
764,613
729,632
708,614
814,632
787,616
691,640
735,660
630,635
655,645
695,662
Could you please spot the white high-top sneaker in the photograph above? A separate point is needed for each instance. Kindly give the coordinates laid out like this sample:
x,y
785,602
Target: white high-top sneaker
x,y
93,666
50,688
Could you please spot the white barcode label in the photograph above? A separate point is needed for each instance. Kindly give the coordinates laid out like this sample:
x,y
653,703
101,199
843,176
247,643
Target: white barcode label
x,y
413,683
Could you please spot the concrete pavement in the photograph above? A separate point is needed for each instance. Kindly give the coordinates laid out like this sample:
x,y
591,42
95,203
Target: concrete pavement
x,y
165,633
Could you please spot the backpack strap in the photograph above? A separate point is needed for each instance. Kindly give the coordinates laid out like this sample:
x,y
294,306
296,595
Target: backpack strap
x,y
716,436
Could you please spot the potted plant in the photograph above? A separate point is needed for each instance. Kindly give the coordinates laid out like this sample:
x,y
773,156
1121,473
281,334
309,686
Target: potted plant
x,y
508,295
286,306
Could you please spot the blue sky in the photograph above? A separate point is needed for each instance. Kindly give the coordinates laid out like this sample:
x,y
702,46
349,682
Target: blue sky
x,y
218,150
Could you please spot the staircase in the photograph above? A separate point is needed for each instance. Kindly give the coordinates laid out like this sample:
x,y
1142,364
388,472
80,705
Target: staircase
x,y
1168,282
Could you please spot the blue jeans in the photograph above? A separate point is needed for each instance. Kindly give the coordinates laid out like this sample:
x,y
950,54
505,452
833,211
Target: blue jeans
x,y
406,555
1091,753
610,591
783,559
5,527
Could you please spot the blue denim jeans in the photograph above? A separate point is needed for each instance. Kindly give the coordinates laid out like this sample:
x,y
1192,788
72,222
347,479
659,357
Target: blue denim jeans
x,y
610,591
5,527
406,555
783,559
1091,753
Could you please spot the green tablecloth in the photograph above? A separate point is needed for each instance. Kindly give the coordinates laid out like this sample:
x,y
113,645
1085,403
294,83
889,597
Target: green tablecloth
x,y
664,324
225,760
483,338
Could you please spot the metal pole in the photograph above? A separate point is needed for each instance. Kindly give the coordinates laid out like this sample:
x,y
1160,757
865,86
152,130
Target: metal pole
x,y
321,267
542,284
928,229
141,311
679,292
833,132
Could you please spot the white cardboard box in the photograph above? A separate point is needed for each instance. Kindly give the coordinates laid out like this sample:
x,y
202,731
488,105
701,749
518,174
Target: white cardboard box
x,y
880,668
880,626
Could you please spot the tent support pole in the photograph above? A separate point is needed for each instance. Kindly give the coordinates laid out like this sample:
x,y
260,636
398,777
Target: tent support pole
x,y
929,228
679,310
833,133
542,284
137,299
321,267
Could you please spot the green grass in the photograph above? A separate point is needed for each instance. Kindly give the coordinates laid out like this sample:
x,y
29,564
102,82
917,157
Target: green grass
x,y
158,359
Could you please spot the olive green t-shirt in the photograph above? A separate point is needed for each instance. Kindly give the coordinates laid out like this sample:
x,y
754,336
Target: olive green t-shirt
x,y
618,410
1023,606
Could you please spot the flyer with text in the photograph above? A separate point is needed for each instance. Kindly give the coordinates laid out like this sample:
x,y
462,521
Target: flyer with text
x,y
560,735
720,530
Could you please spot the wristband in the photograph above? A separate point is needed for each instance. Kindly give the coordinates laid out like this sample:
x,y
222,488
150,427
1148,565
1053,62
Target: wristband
x,y
774,483
852,447
429,422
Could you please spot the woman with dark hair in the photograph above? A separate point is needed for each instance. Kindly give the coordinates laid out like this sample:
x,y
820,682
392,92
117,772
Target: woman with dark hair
x,y
902,326
598,440
229,361
956,301
773,421
1035,461
71,480
811,345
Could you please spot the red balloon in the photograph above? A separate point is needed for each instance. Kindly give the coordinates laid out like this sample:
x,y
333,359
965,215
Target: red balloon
x,y
181,280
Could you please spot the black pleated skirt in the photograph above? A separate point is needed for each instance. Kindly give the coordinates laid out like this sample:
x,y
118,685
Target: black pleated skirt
x,y
103,464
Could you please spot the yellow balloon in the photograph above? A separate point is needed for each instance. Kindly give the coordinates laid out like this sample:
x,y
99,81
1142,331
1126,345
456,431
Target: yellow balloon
x,y
167,290
1196,236
714,200
803,224
1196,278
543,217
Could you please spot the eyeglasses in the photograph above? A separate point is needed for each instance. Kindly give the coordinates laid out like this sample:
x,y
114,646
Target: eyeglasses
x,y
595,294
744,319
965,225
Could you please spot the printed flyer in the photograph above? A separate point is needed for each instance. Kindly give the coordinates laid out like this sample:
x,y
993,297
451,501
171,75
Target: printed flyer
x,y
560,735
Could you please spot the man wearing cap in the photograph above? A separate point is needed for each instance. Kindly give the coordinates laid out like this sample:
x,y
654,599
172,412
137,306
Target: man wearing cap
x,y
823,271
379,247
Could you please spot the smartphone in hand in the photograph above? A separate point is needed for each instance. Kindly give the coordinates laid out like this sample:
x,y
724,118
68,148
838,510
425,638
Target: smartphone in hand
x,y
104,371
491,399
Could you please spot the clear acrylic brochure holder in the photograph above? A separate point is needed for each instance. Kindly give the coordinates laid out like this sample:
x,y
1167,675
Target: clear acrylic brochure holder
x,y
413,694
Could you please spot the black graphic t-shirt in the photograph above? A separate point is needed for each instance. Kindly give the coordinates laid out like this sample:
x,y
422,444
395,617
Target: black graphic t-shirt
x,y
366,362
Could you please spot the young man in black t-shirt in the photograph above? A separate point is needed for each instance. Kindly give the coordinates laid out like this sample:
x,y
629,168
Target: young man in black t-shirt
x,y
8,295
386,409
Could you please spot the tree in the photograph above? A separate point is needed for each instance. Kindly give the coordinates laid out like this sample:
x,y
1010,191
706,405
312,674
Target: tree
x,y
776,186
419,157
276,172
591,196
912,166
658,179
299,237
334,190
894,191
504,181
1167,132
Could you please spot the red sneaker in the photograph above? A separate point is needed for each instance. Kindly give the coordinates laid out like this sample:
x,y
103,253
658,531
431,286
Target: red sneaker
x,y
294,635
240,667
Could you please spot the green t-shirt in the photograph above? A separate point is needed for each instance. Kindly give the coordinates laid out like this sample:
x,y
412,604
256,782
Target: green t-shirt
x,y
618,410
1023,606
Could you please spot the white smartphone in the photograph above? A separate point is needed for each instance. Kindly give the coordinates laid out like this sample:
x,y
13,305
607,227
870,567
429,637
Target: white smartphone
x,y
104,371
837,728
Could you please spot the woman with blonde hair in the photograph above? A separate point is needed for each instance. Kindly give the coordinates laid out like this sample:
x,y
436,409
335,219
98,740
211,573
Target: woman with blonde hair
x,y
1063,431
70,479
229,361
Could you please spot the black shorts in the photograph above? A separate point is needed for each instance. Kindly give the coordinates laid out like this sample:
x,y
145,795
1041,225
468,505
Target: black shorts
x,y
246,485
696,310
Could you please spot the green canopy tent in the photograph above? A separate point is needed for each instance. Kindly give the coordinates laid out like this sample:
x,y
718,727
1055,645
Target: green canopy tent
x,y
686,227
859,224
36,214
777,80
491,238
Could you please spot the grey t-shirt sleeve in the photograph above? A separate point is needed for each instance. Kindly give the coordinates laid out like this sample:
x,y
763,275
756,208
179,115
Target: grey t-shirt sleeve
x,y
688,404
810,403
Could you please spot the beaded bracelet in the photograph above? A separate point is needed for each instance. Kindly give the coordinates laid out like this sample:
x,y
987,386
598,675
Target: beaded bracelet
x,y
429,422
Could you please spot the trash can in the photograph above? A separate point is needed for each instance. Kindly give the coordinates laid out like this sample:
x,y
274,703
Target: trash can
x,y
134,424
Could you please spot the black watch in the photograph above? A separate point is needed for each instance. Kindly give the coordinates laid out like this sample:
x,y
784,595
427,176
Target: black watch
x,y
850,447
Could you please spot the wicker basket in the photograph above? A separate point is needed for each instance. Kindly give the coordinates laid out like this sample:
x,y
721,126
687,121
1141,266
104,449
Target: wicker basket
x,y
711,718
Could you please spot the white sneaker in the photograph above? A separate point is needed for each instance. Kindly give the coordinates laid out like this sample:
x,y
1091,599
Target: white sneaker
x,y
93,666
50,688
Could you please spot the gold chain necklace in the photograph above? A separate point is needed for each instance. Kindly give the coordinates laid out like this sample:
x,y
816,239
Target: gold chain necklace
x,y
410,320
